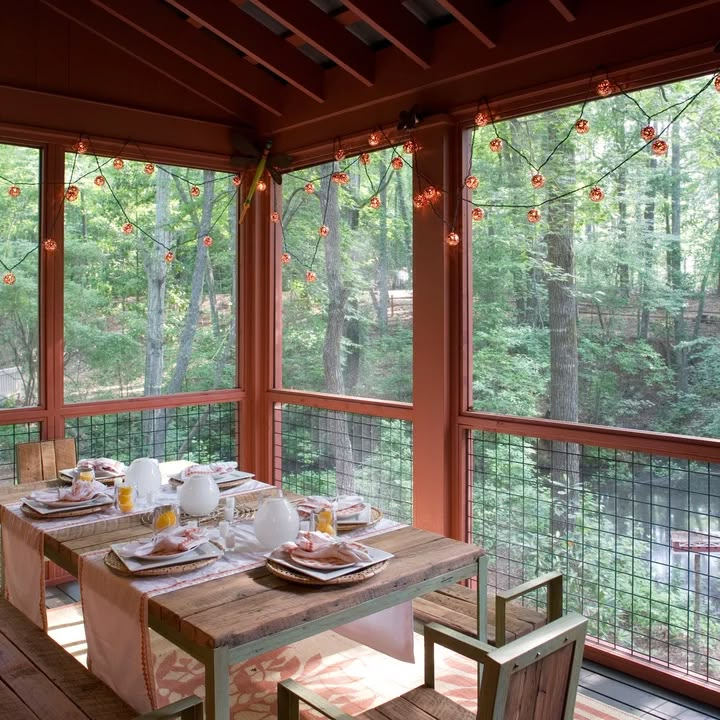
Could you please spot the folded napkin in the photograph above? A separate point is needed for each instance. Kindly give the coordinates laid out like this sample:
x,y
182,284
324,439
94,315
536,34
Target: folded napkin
x,y
349,508
319,546
76,493
222,468
172,542
105,465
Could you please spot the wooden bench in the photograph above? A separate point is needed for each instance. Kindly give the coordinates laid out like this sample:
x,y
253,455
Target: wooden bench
x,y
40,681
456,607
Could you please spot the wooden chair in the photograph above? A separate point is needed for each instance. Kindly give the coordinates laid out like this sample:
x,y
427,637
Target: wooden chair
x,y
41,462
532,678
455,607
36,461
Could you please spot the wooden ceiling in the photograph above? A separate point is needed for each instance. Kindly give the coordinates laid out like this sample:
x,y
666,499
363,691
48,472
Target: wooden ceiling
x,y
304,71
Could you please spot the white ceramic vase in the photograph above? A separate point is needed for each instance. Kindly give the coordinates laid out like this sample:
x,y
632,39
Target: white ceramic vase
x,y
277,521
144,474
199,494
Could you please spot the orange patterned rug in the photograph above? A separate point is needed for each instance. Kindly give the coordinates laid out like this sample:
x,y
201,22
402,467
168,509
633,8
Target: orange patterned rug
x,y
349,675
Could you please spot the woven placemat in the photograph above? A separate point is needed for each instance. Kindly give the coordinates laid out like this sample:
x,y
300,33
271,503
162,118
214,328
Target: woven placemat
x,y
375,517
116,564
64,513
287,574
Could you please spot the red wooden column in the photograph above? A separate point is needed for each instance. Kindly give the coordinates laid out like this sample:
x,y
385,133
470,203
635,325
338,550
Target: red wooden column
x,y
434,262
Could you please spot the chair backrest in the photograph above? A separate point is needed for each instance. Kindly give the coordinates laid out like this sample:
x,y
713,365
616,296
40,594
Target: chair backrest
x,y
37,461
536,676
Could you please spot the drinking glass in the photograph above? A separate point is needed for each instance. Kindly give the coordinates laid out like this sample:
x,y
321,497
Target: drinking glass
x,y
324,520
165,517
125,495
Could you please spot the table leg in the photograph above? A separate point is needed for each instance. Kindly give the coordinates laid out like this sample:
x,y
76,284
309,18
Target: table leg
x,y
217,685
482,590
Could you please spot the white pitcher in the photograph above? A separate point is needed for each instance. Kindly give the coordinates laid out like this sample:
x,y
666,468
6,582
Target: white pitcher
x,y
199,494
276,521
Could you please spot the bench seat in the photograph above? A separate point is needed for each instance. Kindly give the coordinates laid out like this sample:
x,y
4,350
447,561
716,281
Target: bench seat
x,y
40,681
456,607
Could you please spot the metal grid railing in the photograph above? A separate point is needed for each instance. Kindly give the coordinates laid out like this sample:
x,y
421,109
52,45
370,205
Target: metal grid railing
x,y
325,452
10,436
637,537
201,433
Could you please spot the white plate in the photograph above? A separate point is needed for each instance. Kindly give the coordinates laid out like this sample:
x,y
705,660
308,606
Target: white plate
x,y
130,551
206,550
376,556
72,504
99,501
221,478
67,475
321,564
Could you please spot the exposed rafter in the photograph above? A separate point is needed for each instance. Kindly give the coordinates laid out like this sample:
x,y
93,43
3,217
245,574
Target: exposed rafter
x,y
246,34
324,33
162,25
566,8
94,20
475,15
397,25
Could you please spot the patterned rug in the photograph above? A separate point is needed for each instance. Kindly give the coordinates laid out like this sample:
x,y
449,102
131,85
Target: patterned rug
x,y
350,675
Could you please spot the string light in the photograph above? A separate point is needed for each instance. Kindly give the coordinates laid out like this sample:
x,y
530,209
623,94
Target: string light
x,y
481,119
324,231
596,194
647,133
496,145
9,278
274,216
310,276
582,126
261,186
340,178
149,168
537,181
285,258
431,192
659,147
374,139
453,239
207,241
118,163
716,83
127,228
309,188
397,163
365,158
477,214
50,245
410,147
72,193
14,191
169,256
471,182
237,180
419,201
99,180
604,88
533,215
194,191
340,154
375,202
81,146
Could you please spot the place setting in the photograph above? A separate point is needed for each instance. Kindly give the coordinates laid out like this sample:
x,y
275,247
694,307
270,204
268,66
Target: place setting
x,y
104,470
172,550
341,514
225,474
81,498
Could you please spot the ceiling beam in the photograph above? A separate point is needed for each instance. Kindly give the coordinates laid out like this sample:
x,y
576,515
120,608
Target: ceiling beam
x,y
397,25
316,28
161,25
253,39
477,17
566,8
84,14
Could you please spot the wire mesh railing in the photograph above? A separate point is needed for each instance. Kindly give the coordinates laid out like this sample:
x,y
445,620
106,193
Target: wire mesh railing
x,y
636,536
10,436
200,433
326,452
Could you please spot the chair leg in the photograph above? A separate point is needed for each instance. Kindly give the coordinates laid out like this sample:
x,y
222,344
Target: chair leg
x,y
288,704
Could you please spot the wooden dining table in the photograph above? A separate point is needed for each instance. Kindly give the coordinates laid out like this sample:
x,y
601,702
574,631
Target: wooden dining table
x,y
226,620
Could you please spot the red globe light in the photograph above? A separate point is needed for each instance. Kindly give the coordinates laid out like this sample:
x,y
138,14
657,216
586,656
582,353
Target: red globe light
x,y
596,194
659,147
118,163
397,163
50,245
127,228
310,276
375,202
533,215
537,181
496,145
99,180
471,182
478,214
149,169
604,88
647,133
481,119
582,126
453,239
14,191
207,241
194,191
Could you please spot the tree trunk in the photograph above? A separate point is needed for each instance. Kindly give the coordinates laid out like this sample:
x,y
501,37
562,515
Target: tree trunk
x,y
192,315
562,306
623,271
383,261
336,426
647,255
